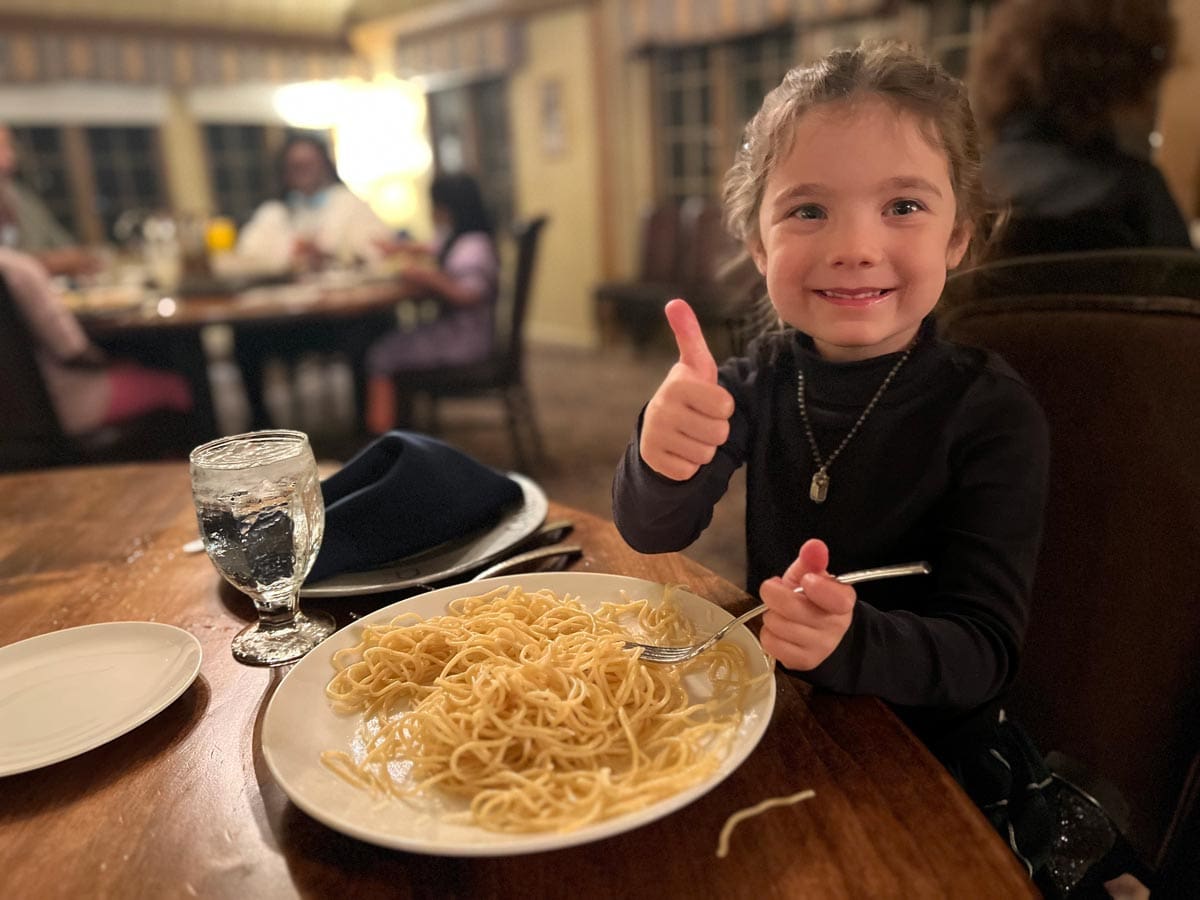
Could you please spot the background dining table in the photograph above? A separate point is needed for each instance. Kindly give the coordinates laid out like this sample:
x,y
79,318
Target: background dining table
x,y
166,330
184,805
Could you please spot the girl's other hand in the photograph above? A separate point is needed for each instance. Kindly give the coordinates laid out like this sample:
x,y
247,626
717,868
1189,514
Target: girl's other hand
x,y
687,419
802,630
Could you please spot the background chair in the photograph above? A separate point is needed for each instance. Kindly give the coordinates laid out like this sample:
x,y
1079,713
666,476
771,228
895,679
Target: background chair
x,y
503,374
1110,345
619,304
30,433
1096,273
684,252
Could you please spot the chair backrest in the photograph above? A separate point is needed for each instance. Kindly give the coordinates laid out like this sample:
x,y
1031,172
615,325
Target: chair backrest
x,y
705,246
1111,669
660,242
30,434
511,312
1101,273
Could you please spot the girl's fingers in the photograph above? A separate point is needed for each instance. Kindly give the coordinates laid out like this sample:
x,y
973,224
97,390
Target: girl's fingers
x,y
802,657
688,448
830,596
705,398
822,598
813,557
800,634
670,466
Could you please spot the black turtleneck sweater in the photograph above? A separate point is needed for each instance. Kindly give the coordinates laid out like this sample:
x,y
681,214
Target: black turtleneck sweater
x,y
949,467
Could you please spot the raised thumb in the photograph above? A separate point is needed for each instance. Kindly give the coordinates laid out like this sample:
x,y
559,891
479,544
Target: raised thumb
x,y
693,349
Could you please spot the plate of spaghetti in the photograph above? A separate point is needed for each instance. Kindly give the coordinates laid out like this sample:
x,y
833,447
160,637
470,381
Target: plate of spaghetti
x,y
507,716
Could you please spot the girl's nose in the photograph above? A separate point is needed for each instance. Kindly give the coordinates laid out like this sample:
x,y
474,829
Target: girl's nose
x,y
854,245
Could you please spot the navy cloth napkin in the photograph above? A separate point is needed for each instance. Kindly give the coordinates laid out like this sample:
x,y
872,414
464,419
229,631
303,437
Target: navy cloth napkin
x,y
402,494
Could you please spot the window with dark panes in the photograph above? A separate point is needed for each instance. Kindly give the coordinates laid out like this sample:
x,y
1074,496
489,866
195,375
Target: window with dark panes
x,y
469,127
450,126
241,166
759,64
953,27
495,154
704,97
688,132
127,172
43,166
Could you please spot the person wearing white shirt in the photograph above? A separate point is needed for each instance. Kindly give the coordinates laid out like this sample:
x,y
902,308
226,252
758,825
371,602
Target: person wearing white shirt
x,y
318,218
318,221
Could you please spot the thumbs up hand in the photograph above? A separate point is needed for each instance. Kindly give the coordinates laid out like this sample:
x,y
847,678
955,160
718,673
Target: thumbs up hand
x,y
687,419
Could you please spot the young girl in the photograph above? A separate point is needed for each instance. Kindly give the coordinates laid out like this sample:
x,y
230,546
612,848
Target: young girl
x,y
867,439
465,284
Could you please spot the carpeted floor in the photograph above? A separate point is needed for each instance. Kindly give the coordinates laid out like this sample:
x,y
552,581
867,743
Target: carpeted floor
x,y
586,403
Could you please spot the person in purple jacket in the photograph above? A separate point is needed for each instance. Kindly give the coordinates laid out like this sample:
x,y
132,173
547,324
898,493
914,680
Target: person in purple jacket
x,y
464,283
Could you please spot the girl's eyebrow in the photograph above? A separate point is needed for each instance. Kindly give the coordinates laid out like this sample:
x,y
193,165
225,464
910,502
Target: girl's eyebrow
x,y
797,191
912,183
813,189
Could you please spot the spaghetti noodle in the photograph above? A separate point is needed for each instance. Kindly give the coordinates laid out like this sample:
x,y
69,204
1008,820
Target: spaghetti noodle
x,y
531,709
749,812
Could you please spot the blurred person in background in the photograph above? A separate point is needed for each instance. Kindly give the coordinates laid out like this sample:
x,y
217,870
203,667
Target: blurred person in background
x,y
316,220
88,390
27,225
460,272
1066,97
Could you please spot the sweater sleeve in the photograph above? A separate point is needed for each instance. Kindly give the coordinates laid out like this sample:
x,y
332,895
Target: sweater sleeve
x,y
958,647
54,326
473,266
266,240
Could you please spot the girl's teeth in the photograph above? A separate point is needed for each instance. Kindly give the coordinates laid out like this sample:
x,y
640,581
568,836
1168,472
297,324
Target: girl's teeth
x,y
854,295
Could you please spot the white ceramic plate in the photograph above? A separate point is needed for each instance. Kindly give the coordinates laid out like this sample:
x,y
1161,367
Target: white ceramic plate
x,y
299,724
448,560
69,691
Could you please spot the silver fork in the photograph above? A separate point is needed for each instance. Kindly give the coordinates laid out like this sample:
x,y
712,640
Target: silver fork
x,y
650,653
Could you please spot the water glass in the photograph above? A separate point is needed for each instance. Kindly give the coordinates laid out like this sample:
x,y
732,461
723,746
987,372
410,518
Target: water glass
x,y
261,516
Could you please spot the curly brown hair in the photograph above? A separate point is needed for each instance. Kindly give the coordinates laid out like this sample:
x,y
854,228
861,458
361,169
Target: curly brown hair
x,y
1071,61
887,69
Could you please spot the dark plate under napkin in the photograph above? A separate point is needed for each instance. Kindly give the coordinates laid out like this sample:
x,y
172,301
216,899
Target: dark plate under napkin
x,y
402,494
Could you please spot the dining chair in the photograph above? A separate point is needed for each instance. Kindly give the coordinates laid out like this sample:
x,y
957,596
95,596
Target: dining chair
x,y
634,305
502,375
1110,676
685,252
30,433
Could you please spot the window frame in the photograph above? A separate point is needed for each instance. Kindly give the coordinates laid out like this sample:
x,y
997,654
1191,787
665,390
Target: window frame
x,y
720,135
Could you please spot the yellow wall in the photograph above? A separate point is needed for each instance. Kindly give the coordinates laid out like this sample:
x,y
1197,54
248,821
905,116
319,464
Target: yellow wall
x,y
183,146
563,185
1179,120
629,143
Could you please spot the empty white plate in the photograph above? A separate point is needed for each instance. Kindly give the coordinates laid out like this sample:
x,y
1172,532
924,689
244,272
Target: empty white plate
x,y
68,691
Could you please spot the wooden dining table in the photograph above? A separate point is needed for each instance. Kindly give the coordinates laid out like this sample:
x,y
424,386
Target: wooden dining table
x,y
184,804
166,330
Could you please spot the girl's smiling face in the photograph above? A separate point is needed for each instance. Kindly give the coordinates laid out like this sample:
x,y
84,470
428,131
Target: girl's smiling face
x,y
857,228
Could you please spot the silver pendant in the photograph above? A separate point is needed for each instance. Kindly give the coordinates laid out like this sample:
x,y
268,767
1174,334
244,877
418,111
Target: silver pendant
x,y
819,489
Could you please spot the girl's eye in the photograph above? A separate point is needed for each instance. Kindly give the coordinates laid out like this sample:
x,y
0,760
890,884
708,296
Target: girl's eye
x,y
808,211
905,207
